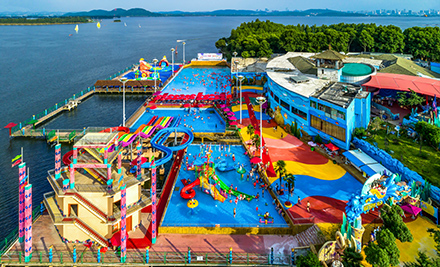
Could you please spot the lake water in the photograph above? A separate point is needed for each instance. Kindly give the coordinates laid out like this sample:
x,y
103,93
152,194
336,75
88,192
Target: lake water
x,y
43,65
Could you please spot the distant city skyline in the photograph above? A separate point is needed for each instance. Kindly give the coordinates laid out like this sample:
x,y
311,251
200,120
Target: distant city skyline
x,y
197,5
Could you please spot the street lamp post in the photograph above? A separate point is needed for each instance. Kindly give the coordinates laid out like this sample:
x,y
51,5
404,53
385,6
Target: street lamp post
x,y
240,78
172,61
123,80
261,100
183,53
232,62
155,76
236,72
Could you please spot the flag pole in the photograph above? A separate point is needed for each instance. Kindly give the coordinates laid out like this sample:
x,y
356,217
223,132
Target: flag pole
x,y
22,159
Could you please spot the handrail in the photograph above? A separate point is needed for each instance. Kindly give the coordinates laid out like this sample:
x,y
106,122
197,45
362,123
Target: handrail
x,y
87,204
92,232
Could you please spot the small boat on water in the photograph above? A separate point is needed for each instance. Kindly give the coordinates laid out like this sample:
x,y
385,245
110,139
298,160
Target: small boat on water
x,y
98,25
76,28
140,26
125,24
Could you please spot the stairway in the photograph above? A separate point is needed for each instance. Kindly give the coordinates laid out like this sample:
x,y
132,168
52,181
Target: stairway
x,y
310,236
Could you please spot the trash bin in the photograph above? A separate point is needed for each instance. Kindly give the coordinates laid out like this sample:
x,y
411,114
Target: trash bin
x,y
312,148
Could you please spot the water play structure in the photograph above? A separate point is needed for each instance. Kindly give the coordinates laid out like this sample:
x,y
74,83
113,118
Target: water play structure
x,y
209,181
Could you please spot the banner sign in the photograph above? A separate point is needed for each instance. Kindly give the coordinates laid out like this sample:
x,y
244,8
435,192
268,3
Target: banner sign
x,y
209,56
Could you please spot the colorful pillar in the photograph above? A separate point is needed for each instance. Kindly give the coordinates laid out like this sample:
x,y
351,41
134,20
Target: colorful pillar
x,y
72,176
28,223
75,155
105,155
153,202
65,185
21,200
119,162
57,161
123,223
139,161
109,171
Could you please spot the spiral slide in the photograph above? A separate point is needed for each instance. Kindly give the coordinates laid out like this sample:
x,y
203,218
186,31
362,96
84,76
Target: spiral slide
x,y
174,123
158,140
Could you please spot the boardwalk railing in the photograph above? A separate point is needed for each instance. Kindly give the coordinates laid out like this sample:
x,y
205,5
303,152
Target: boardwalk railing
x,y
12,237
82,257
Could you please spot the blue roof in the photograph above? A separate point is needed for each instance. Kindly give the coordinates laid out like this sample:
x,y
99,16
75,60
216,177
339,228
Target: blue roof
x,y
352,158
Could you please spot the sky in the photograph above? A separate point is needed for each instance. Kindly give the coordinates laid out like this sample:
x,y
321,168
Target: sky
x,y
203,5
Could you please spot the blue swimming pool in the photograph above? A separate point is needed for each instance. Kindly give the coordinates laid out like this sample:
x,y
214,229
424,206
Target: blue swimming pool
x,y
206,120
208,80
211,212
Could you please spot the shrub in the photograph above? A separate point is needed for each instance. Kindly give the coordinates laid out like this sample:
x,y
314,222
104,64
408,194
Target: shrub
x,y
359,132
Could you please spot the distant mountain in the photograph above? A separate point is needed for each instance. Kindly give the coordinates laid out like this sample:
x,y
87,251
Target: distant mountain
x,y
234,12
140,12
117,12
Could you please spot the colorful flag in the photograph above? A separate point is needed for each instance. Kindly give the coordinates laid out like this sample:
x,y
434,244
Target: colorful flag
x,y
17,157
16,163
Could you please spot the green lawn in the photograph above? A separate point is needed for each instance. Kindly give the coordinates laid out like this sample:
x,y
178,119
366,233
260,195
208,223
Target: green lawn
x,y
407,151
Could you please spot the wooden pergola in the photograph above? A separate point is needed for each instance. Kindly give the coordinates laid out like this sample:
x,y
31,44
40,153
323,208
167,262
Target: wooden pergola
x,y
131,84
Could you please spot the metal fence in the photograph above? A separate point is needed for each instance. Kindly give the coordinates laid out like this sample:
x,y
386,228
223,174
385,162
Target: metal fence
x,y
151,257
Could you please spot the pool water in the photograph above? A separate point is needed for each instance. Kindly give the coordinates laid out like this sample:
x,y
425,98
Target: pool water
x,y
211,212
209,121
193,80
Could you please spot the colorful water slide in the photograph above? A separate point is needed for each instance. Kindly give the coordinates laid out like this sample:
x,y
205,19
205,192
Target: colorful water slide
x,y
174,123
225,187
168,151
144,131
187,192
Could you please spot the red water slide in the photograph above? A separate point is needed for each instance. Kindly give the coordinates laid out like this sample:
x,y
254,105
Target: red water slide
x,y
187,191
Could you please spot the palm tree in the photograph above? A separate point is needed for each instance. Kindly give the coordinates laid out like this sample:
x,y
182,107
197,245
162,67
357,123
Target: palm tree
x,y
250,130
280,168
256,141
290,179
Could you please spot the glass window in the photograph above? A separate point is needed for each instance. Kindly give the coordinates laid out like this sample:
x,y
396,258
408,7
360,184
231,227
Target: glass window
x,y
313,104
333,113
271,93
284,105
341,115
277,99
328,128
299,113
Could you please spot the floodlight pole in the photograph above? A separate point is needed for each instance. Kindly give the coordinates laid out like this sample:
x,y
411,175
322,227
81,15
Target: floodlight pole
x,y
241,116
261,100
123,80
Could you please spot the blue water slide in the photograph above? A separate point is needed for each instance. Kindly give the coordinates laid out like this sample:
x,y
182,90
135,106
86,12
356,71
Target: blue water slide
x,y
160,137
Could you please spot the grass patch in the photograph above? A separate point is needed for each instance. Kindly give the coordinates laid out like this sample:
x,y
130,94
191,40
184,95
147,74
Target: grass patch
x,y
406,150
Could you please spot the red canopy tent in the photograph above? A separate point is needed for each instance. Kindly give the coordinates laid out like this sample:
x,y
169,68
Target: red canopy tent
x,y
10,126
331,147
255,160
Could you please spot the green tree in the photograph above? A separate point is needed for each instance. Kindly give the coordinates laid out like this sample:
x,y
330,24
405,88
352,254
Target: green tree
x,y
351,258
280,168
256,141
385,252
375,125
310,260
366,40
250,130
428,133
392,220
376,256
290,180
359,132
423,260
